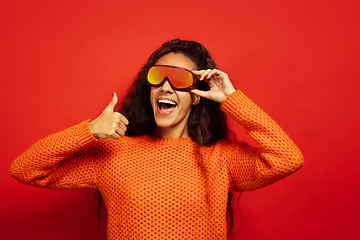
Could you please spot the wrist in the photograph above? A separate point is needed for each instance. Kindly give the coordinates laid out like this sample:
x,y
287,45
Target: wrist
x,y
228,93
92,129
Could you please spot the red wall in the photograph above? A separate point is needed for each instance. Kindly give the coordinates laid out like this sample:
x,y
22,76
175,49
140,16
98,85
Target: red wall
x,y
298,60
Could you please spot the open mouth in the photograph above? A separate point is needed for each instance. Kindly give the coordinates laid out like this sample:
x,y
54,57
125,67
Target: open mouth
x,y
166,106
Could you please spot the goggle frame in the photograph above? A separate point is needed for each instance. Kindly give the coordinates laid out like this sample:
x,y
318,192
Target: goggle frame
x,y
194,84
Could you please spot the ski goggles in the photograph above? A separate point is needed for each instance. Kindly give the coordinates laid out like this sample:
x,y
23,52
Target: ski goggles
x,y
180,79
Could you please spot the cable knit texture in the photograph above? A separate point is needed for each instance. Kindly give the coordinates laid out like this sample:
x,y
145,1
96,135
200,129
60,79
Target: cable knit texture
x,y
156,188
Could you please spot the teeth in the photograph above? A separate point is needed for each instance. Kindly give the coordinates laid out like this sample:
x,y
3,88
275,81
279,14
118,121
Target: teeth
x,y
166,101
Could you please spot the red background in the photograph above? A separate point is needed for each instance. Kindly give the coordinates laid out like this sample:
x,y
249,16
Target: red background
x,y
299,60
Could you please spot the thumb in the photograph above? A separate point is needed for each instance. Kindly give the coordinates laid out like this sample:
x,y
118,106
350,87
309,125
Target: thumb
x,y
200,93
112,104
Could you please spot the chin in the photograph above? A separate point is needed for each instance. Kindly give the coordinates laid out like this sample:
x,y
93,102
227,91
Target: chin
x,y
164,124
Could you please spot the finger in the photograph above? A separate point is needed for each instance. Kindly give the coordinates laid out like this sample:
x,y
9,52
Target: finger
x,y
204,74
112,104
211,73
122,126
119,118
115,136
198,72
120,132
201,73
112,133
118,127
124,119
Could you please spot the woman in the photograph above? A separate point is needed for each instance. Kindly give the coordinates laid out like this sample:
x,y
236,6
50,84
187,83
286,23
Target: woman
x,y
164,165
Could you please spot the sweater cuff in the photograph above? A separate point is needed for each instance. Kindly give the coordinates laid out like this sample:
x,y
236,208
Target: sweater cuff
x,y
234,101
239,107
83,134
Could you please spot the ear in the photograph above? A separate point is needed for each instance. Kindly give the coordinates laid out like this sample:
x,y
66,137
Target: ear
x,y
196,99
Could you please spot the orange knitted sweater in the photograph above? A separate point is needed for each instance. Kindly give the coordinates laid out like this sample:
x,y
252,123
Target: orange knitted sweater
x,y
157,188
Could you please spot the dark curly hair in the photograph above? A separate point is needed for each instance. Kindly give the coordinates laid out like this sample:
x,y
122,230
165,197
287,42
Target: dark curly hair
x,y
206,124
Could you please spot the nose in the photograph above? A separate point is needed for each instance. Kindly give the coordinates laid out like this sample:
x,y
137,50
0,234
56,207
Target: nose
x,y
166,87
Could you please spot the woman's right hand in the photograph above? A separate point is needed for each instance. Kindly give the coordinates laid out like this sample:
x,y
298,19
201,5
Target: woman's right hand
x,y
109,124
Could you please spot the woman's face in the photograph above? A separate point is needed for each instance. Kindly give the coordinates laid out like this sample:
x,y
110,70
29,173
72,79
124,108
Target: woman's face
x,y
172,108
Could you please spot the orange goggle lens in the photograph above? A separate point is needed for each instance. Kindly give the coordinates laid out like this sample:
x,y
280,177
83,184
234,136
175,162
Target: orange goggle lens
x,y
180,79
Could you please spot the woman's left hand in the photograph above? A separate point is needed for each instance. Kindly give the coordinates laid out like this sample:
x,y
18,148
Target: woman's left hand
x,y
219,82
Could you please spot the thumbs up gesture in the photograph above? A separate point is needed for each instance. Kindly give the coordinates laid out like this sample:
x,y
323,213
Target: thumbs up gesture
x,y
109,124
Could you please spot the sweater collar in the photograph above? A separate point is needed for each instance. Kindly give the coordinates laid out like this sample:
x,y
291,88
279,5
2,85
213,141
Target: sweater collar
x,y
165,141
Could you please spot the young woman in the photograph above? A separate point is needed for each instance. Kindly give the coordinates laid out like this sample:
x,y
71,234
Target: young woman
x,y
164,165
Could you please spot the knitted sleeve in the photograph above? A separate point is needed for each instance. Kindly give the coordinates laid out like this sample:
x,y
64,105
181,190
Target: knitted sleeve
x,y
59,161
278,156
